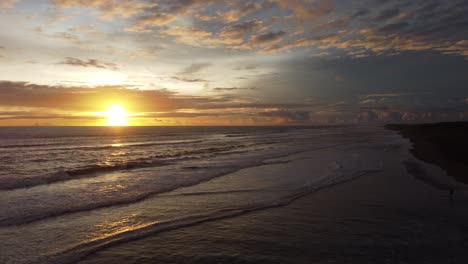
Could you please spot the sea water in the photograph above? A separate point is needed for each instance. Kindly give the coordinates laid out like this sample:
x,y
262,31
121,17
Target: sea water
x,y
66,192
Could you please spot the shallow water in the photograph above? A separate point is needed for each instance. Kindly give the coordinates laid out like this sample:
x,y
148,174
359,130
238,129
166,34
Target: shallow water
x,y
69,192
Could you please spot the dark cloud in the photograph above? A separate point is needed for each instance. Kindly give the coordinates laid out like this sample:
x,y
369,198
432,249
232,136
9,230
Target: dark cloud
x,y
68,37
35,116
304,42
220,89
430,7
194,115
361,13
195,67
387,14
238,11
192,80
394,27
288,116
242,28
389,115
334,24
268,38
233,104
413,82
179,6
89,63
308,10
386,95
160,13
152,20
246,67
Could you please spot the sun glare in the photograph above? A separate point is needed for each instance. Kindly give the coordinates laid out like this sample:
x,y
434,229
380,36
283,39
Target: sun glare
x,y
116,116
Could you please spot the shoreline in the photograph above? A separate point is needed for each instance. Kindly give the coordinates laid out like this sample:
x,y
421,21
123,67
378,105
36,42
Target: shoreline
x,y
441,144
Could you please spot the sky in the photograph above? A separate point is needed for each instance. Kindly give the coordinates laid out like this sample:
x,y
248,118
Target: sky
x,y
233,62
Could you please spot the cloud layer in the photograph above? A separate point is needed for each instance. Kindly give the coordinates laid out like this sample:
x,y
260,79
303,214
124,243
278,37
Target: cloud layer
x,y
284,62
278,26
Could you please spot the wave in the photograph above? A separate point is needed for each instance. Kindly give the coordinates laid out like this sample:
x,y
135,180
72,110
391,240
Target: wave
x,y
125,145
74,174
221,192
29,145
237,135
8,221
96,170
58,211
78,252
50,146
420,173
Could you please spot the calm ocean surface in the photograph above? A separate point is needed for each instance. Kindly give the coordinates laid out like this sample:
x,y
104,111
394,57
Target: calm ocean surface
x,y
67,192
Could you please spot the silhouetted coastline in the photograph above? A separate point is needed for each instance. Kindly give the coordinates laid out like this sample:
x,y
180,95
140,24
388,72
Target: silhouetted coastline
x,y
443,144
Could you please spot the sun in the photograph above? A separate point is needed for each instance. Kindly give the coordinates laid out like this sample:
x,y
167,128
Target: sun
x,y
116,116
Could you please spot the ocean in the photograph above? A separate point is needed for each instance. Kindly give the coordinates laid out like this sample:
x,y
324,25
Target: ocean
x,y
71,192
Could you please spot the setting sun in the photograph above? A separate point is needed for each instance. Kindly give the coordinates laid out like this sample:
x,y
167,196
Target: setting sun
x,y
116,116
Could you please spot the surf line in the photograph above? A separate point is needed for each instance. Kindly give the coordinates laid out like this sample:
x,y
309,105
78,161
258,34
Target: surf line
x,y
79,252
